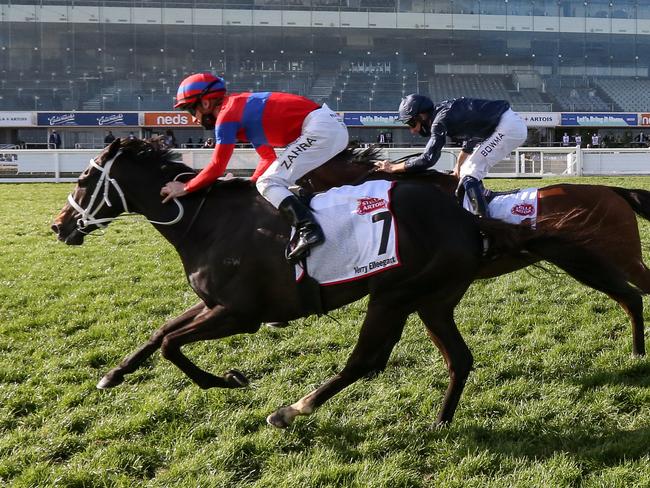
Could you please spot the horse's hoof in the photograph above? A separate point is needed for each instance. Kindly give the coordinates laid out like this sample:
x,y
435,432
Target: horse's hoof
x,y
277,325
278,420
235,379
108,382
441,424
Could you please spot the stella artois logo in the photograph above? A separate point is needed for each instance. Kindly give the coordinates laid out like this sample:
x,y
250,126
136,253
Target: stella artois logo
x,y
368,205
523,209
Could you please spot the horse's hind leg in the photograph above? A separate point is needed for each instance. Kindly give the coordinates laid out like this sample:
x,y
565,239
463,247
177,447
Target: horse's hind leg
x,y
381,330
639,275
133,361
629,259
632,303
609,271
441,327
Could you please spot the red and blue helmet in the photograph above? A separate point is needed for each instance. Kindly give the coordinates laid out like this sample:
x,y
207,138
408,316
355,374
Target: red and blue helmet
x,y
198,86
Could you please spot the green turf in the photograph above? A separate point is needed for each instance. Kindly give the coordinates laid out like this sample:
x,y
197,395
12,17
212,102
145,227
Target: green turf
x,y
556,398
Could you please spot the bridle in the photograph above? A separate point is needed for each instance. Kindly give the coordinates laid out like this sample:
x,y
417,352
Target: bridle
x,y
87,215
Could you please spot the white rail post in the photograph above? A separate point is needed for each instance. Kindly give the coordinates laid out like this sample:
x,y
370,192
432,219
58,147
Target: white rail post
x,y
578,161
57,167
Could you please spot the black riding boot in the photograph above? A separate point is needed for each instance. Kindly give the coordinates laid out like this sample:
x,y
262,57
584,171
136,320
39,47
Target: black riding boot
x,y
475,192
309,231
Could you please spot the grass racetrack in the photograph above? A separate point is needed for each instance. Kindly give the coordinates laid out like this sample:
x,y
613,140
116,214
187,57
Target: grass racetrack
x,y
556,398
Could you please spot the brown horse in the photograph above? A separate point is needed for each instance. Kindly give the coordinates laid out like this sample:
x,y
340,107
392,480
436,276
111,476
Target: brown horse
x,y
605,213
231,242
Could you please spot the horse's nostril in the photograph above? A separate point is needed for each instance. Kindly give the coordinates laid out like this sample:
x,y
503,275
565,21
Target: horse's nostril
x,y
55,228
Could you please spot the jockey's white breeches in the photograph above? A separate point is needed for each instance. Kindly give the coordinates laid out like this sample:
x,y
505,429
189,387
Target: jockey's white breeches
x,y
509,134
323,136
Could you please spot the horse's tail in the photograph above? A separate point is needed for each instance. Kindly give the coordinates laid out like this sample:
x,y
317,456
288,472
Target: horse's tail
x,y
639,200
569,255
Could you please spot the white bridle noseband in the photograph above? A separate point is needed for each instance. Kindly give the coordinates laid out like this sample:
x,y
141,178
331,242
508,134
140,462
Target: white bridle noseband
x,y
87,215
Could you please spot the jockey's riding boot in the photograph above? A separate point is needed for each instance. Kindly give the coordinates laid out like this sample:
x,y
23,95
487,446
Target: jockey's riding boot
x,y
475,193
460,193
309,231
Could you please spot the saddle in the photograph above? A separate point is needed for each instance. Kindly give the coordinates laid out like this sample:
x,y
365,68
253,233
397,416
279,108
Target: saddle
x,y
490,195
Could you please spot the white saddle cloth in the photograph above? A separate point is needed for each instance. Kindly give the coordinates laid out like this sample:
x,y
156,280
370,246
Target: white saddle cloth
x,y
513,208
359,229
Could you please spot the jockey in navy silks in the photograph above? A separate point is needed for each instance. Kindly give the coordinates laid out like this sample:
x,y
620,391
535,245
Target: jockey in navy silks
x,y
489,128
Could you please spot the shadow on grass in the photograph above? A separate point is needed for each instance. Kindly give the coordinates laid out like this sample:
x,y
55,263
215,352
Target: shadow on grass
x,y
636,375
534,442
607,447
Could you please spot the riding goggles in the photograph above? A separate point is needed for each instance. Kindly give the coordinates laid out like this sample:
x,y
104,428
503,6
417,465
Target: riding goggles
x,y
412,122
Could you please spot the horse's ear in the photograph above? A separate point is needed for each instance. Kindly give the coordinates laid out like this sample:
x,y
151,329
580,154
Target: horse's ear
x,y
113,147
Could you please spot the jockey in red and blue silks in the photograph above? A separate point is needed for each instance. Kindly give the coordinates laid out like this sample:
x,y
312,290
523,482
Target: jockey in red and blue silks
x,y
311,135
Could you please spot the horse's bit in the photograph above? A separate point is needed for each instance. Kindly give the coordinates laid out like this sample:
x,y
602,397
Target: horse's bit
x,y
87,215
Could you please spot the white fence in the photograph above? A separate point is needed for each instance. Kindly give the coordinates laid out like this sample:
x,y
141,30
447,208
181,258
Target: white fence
x,y
20,166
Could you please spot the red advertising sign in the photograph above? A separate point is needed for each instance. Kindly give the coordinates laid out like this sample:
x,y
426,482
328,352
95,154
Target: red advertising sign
x,y
644,119
168,119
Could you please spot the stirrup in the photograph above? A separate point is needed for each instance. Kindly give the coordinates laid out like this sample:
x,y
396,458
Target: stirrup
x,y
307,238
297,254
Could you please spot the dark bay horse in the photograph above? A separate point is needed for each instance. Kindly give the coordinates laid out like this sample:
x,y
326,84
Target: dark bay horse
x,y
606,213
229,237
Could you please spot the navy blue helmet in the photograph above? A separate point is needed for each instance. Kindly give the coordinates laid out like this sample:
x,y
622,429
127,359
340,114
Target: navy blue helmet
x,y
413,104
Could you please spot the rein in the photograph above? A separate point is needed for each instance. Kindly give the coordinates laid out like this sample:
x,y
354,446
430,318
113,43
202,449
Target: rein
x,y
87,215
198,209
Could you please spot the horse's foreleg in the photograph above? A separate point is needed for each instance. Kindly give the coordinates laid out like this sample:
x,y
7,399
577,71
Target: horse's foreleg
x,y
439,321
214,324
381,330
133,361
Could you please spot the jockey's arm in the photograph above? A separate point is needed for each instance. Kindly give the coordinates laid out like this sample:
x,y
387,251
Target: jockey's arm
x,y
431,153
423,162
267,158
468,148
462,157
207,176
215,168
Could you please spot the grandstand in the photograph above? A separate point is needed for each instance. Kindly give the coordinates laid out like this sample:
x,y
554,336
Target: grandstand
x,y
630,94
579,94
352,54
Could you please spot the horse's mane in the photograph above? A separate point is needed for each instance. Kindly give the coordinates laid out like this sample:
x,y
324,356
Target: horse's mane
x,y
153,151
366,156
355,165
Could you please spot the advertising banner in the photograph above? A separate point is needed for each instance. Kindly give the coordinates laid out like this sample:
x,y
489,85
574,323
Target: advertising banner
x,y
371,119
74,119
389,119
599,120
541,119
644,119
16,119
168,119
